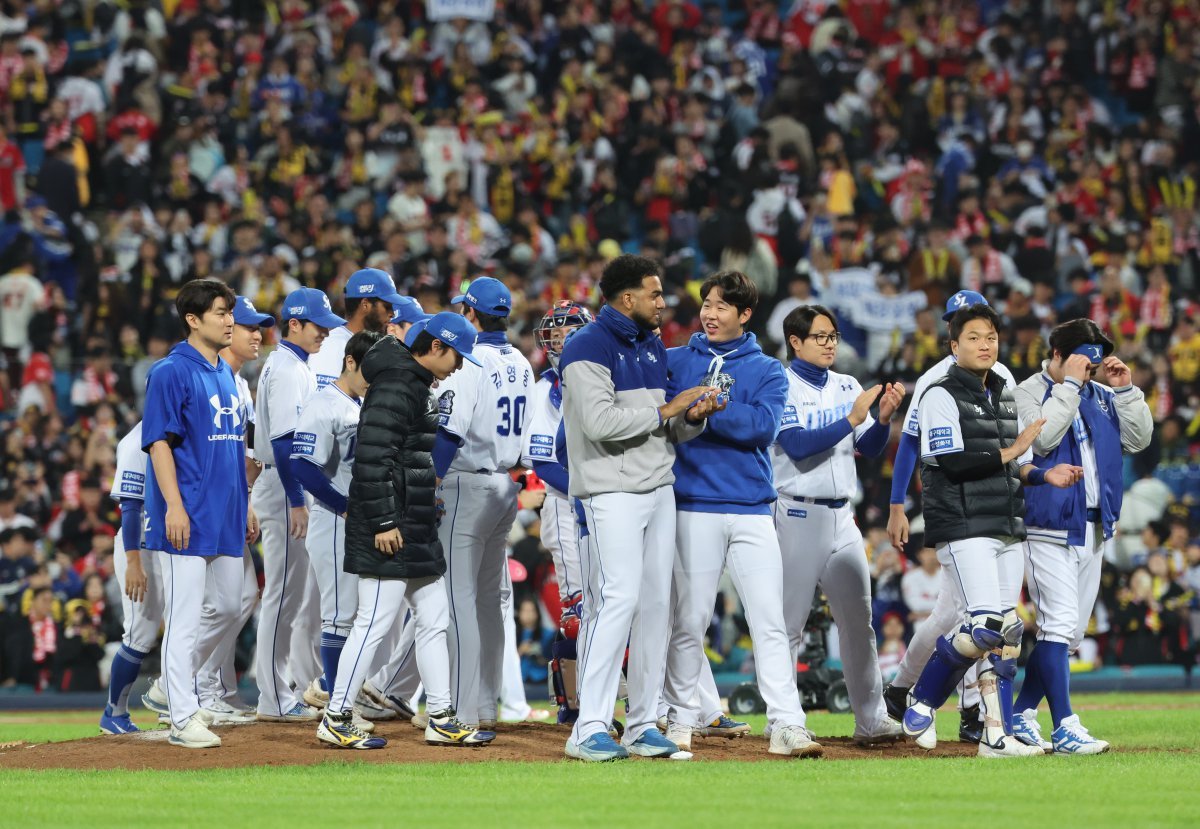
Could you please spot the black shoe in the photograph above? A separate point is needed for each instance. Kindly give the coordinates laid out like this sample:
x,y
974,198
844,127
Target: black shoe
x,y
970,727
895,699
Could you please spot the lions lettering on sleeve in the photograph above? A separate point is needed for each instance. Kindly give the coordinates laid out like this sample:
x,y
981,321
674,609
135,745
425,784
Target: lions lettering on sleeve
x,y
326,435
129,482
828,474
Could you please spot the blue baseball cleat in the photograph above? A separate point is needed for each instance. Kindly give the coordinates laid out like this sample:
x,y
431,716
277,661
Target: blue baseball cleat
x,y
598,748
725,726
652,744
121,724
1072,738
918,723
1025,729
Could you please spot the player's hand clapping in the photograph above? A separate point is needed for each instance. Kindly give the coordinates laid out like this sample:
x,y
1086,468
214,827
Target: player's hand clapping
x,y
1079,367
891,401
1064,475
299,522
390,542
1116,372
1024,440
179,526
862,405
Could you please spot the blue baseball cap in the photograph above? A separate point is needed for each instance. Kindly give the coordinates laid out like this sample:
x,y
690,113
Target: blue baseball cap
x,y
452,329
372,283
961,300
491,296
310,305
408,310
244,313
1093,351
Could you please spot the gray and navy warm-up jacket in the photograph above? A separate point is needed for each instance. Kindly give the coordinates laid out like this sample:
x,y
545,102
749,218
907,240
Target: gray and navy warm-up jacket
x,y
614,378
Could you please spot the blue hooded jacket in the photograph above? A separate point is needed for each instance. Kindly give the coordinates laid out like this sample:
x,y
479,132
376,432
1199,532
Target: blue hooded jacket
x,y
727,469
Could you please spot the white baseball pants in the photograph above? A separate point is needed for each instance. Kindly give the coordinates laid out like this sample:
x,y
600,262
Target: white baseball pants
x,y
186,644
985,573
560,535
217,677
338,590
627,569
823,546
947,616
380,602
399,676
1063,581
480,510
144,618
705,542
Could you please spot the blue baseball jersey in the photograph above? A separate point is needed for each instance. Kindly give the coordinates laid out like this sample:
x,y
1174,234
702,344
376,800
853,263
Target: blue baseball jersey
x,y
196,408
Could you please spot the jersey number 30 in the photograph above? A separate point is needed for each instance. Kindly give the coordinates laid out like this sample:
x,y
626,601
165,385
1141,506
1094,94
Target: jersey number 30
x,y
512,415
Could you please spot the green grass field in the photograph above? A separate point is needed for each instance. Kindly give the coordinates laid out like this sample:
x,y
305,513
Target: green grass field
x,y
1152,779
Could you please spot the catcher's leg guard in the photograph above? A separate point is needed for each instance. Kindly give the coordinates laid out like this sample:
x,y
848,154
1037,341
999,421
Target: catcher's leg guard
x,y
563,679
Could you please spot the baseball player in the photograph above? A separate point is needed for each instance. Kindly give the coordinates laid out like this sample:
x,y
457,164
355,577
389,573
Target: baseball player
x,y
825,419
140,578
391,540
371,302
620,432
286,644
1092,426
482,413
408,313
946,616
975,451
322,455
718,523
216,681
195,508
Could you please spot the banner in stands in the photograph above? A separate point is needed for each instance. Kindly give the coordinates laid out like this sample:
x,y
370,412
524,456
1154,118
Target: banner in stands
x,y
470,9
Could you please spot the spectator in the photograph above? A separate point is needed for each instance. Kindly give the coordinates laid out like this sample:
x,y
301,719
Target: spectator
x,y
892,647
31,644
17,564
533,642
920,585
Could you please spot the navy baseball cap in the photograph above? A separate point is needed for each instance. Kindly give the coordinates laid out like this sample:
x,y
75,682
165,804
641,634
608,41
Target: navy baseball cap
x,y
1093,351
491,296
452,329
961,300
310,305
408,310
372,283
244,313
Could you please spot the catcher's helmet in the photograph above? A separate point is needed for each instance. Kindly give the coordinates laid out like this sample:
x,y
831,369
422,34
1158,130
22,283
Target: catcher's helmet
x,y
564,315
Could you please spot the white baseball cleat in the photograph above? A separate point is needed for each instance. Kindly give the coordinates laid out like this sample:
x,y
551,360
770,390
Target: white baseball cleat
x,y
420,720
194,734
370,710
315,696
793,741
224,714
920,723
1008,746
297,713
362,724
1027,730
680,735
886,730
1072,738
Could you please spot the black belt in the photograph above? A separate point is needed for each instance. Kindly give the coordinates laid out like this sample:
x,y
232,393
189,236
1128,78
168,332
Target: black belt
x,y
1094,516
832,503
268,466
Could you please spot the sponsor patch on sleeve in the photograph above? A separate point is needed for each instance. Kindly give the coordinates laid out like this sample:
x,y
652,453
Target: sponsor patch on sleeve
x,y
789,416
541,452
941,432
541,440
939,445
128,488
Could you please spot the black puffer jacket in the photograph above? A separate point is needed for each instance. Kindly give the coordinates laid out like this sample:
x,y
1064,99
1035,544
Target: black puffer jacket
x,y
392,481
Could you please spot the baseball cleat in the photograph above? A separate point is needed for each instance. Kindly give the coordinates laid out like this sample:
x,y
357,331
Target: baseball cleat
x,y
918,723
886,731
223,714
794,741
297,713
445,729
368,710
339,730
194,734
970,725
530,715
1072,738
420,720
315,695
598,748
395,703
361,723
1027,730
662,723
651,743
895,699
1007,747
680,735
487,724
724,726
119,724
155,698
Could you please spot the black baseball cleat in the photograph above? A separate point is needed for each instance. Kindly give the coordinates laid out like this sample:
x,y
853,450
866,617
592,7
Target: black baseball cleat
x,y
970,727
895,699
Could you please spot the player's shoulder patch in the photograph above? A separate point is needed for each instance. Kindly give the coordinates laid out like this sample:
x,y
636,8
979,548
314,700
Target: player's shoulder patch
x,y
790,417
940,444
541,440
941,432
446,402
304,443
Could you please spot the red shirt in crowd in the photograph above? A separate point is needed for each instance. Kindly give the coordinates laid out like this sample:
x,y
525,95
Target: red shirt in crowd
x,y
11,163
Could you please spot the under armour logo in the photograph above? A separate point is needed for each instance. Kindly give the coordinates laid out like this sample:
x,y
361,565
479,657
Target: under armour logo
x,y
219,411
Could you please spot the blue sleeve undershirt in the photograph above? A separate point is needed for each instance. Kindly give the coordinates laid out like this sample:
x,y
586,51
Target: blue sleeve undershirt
x,y
445,447
875,440
903,466
281,448
552,473
804,443
312,478
131,523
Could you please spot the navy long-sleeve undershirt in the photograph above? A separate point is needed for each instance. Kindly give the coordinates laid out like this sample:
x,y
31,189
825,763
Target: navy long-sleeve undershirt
x,y
312,478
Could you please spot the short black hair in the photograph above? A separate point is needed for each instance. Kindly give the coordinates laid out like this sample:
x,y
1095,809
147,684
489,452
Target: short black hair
x,y
976,312
423,344
352,303
489,323
799,322
1068,336
359,345
737,289
198,296
625,273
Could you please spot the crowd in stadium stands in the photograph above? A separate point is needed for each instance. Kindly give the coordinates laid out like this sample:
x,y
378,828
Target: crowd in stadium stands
x,y
875,155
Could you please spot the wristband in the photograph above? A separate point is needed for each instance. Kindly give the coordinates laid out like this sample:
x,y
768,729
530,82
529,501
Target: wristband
x,y
1036,477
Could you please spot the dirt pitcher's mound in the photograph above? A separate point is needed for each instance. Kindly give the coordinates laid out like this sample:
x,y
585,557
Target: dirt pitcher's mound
x,y
263,744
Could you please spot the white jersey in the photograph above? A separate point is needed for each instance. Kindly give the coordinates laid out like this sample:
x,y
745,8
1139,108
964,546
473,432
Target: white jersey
x,y
285,384
486,408
545,413
937,372
941,430
129,481
326,364
828,474
247,404
326,434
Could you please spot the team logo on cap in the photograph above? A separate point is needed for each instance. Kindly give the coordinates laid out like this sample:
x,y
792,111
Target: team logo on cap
x,y
296,309
366,289
325,302
249,305
447,335
960,299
